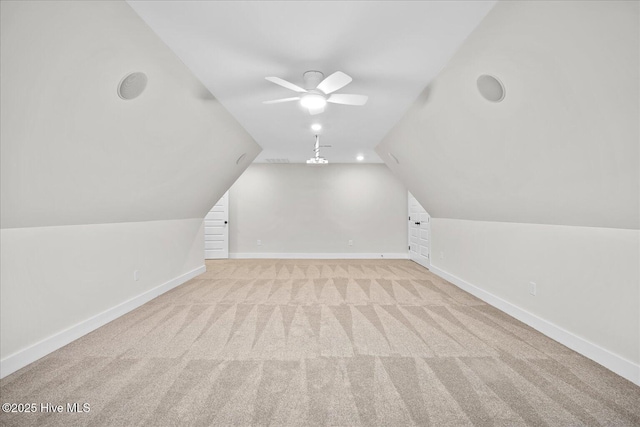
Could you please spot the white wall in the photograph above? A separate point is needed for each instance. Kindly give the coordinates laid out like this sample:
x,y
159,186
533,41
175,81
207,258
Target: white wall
x,y
312,209
92,186
59,283
587,278
561,149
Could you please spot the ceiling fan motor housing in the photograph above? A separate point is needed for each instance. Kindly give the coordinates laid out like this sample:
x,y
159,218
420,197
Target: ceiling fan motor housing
x,y
312,79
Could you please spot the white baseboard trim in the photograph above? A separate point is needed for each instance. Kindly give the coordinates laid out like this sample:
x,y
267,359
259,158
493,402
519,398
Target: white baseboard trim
x,y
350,255
22,358
621,366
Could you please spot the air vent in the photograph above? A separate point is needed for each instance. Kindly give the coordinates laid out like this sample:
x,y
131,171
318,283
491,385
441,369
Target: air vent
x,y
277,160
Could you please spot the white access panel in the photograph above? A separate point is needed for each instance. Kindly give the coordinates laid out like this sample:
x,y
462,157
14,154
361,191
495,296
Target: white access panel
x,y
216,230
419,233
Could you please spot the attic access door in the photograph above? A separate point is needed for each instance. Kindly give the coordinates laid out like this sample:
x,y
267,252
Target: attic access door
x,y
419,233
216,230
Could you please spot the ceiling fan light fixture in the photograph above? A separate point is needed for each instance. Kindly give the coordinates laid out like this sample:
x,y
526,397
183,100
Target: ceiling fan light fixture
x,y
313,101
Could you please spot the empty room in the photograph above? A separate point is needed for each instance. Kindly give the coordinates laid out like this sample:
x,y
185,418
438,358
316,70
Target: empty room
x,y
306,213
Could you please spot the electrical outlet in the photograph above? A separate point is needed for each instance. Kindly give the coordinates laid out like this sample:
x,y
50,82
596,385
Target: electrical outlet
x,y
259,242
350,242
136,275
533,288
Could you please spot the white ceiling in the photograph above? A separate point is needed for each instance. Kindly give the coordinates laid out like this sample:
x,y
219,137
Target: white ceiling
x,y
391,49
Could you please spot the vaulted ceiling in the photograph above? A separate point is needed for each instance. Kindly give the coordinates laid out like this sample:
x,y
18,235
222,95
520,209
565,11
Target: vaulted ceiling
x,y
391,49
73,152
561,148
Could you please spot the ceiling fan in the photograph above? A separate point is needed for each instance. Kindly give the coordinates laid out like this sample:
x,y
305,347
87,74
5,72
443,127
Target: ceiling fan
x,y
318,91
317,159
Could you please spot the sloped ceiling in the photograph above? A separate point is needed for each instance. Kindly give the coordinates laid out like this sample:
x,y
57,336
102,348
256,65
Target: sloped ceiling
x,y
392,49
73,152
563,145
562,148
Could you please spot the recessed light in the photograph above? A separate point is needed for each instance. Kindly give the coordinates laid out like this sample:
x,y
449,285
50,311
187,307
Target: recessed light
x,y
316,127
360,157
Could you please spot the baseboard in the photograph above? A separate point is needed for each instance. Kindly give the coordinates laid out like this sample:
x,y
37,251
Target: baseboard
x,y
350,255
22,358
621,366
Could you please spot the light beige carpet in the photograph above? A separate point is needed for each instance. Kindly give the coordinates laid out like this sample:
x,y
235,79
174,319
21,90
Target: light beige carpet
x,y
299,342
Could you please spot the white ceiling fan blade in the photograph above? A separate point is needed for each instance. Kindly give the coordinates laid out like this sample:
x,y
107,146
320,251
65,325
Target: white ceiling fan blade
x,y
278,101
314,111
346,99
284,83
335,81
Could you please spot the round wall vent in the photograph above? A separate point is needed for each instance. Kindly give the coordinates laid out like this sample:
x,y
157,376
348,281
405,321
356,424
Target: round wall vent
x,y
241,158
132,85
394,158
491,88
